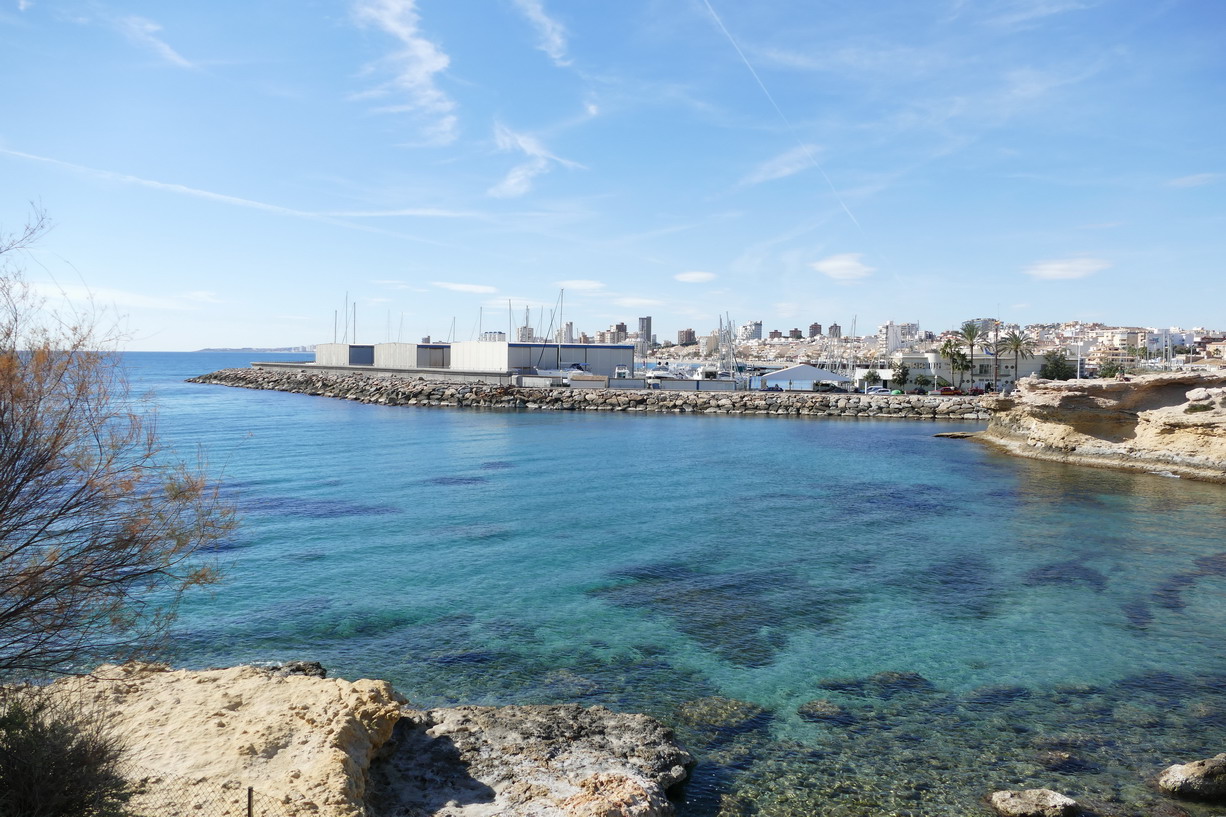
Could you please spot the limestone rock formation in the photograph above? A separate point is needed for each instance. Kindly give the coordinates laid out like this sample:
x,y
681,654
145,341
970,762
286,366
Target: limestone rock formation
x,y
333,748
1198,780
543,761
303,740
1173,423
1033,803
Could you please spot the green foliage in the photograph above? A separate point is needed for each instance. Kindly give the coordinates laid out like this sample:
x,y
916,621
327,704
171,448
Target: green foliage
x,y
1057,367
872,378
923,381
1112,369
900,375
1196,408
1018,345
56,761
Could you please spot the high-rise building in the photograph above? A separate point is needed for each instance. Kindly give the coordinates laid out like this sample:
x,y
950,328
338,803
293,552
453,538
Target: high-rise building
x,y
568,332
835,331
494,336
815,330
795,334
643,345
686,337
750,331
525,334
775,334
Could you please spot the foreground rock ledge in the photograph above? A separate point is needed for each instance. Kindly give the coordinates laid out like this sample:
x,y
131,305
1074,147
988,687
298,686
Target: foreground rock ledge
x,y
330,748
1172,423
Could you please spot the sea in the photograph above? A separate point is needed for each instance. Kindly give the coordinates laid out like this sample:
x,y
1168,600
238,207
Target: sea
x,y
837,616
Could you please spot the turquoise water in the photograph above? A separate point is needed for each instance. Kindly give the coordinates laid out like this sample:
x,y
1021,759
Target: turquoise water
x,y
749,564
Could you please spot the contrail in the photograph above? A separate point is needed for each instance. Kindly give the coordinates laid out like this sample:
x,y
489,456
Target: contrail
x,y
812,159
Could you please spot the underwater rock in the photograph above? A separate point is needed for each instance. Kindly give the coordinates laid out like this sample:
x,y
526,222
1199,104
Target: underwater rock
x,y
996,695
825,710
1198,780
726,716
1065,762
1033,803
881,685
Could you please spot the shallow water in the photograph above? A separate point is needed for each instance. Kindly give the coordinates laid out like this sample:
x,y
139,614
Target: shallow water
x,y
646,562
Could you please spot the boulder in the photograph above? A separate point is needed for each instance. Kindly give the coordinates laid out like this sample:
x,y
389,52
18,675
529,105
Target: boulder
x,y
825,710
1198,780
1033,803
542,761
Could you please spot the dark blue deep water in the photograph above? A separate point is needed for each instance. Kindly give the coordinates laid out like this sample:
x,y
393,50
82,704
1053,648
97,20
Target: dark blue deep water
x,y
1067,625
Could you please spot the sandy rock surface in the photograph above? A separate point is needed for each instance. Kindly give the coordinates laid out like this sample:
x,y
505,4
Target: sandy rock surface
x,y
302,740
543,761
1172,423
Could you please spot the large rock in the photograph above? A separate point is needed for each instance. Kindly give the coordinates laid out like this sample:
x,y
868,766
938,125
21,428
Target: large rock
x,y
327,747
1170,423
543,761
1033,803
1198,780
300,739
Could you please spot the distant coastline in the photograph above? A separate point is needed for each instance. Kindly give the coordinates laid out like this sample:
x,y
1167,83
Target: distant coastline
x,y
284,349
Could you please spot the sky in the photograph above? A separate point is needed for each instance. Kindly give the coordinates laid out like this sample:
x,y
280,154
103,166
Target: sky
x,y
233,173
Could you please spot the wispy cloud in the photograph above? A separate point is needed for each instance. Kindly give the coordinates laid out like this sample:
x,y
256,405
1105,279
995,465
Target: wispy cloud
x,y
551,33
477,289
518,180
79,295
412,212
785,164
1198,180
637,303
844,267
208,195
1066,269
414,67
581,284
144,32
695,277
1023,13
23,5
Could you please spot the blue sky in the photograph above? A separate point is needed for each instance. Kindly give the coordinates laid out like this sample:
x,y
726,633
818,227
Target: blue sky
x,y
222,173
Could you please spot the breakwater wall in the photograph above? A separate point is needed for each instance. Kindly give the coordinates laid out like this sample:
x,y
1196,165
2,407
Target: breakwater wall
x,y
398,391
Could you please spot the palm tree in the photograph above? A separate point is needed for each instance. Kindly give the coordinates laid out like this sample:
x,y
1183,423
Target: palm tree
x,y
970,334
1020,346
950,351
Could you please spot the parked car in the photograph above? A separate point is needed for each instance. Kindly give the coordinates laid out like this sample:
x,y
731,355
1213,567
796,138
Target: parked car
x,y
975,391
877,390
918,391
895,391
949,390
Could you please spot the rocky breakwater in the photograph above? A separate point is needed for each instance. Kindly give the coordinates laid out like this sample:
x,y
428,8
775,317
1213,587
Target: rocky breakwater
x,y
397,391
1171,423
333,748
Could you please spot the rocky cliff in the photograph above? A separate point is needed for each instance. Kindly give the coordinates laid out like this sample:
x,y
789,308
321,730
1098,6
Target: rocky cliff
x,y
333,748
1173,423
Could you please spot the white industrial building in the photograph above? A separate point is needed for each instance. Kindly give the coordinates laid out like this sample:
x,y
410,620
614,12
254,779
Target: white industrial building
x,y
478,357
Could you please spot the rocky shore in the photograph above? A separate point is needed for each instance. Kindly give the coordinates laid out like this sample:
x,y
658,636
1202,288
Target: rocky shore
x,y
396,391
1171,423
328,747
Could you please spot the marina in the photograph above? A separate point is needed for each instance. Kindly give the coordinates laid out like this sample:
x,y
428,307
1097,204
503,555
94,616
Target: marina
x,y
412,545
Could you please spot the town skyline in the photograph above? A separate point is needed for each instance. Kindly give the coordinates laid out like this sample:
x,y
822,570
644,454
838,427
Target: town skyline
x,y
235,174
